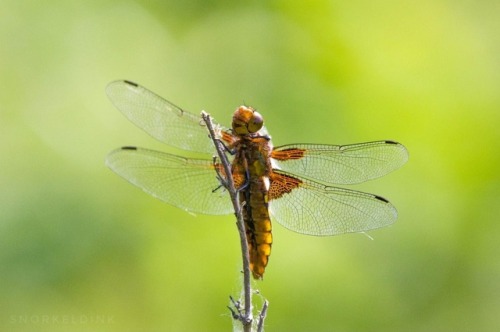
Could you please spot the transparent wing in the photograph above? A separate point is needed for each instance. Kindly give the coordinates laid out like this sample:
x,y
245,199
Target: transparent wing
x,y
160,118
185,183
308,207
340,164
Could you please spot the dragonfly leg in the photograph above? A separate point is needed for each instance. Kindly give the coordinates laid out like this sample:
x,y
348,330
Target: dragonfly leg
x,y
232,152
266,137
247,181
223,180
220,177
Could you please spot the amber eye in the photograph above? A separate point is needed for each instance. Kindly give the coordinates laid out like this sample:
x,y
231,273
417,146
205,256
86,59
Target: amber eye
x,y
255,123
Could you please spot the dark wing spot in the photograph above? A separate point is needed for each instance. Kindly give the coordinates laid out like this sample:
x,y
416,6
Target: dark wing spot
x,y
129,148
381,199
131,83
391,142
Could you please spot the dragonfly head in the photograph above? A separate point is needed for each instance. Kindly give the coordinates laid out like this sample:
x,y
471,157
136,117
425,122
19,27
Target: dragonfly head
x,y
247,121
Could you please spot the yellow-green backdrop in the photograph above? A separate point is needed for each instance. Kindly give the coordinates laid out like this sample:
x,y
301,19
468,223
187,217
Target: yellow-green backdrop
x,y
82,250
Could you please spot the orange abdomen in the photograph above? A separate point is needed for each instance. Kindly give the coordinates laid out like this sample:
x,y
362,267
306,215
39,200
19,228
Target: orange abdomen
x,y
258,226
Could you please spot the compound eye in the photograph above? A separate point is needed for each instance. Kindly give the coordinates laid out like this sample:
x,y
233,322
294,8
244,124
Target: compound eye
x,y
256,122
247,121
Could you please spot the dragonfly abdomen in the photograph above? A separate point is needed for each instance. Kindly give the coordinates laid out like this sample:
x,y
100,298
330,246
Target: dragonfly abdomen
x,y
258,226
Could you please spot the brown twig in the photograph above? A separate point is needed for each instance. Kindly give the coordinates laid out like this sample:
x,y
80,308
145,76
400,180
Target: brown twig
x,y
262,316
246,316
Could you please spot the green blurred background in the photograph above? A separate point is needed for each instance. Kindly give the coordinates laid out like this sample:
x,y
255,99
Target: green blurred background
x,y
83,250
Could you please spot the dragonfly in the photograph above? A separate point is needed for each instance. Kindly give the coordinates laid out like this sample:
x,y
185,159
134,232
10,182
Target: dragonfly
x,y
293,184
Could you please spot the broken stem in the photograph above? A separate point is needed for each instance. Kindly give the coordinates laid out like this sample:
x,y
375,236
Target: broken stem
x,y
262,316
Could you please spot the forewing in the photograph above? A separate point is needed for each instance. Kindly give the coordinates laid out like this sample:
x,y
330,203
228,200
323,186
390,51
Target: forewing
x,y
160,118
340,164
309,207
189,184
